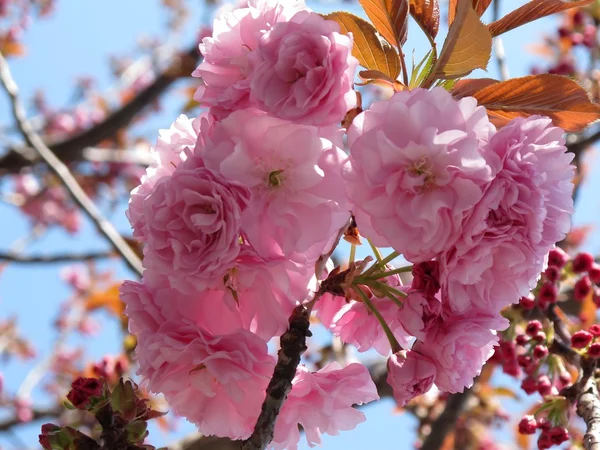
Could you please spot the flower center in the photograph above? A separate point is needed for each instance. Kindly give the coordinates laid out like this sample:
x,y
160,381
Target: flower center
x,y
275,179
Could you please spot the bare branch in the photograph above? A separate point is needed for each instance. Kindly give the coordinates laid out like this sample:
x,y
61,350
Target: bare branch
x,y
72,148
446,420
63,173
588,407
293,344
19,258
39,413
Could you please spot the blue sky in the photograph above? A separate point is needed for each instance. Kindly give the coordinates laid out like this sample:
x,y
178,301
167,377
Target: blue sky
x,y
77,40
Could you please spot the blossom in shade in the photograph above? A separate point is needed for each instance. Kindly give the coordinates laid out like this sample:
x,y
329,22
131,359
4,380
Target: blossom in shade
x,y
419,313
321,402
459,346
410,374
216,382
524,211
192,223
303,71
226,64
298,203
415,170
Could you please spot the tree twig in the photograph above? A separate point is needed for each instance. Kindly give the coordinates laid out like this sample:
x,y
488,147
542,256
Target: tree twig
x,y
71,149
37,414
19,258
588,407
293,344
63,173
446,420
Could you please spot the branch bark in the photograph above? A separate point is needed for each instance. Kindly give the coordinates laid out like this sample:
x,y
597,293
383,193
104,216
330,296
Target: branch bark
x,y
446,420
72,148
37,414
293,344
63,173
49,259
588,407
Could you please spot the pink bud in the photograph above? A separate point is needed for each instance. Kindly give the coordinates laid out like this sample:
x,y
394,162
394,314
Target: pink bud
x,y
583,262
594,273
581,339
557,258
582,288
527,425
533,328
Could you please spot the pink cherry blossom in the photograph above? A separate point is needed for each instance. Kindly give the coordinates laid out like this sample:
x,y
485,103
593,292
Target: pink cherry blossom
x,y
419,313
459,346
322,403
410,375
216,382
172,147
298,203
416,170
226,66
191,224
524,211
303,70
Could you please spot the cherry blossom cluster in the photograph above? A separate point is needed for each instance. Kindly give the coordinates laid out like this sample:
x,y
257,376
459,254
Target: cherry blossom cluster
x,y
242,204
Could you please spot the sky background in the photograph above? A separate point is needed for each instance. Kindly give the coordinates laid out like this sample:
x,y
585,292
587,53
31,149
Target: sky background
x,y
78,40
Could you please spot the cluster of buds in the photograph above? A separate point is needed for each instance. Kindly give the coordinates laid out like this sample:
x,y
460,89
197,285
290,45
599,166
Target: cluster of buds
x,y
550,435
121,412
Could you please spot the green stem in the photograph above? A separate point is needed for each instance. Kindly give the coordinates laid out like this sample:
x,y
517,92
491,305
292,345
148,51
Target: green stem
x,y
393,272
376,251
382,264
396,347
392,293
352,253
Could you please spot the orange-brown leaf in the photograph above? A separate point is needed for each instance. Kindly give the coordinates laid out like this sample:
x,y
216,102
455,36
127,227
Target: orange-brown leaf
x,y
427,14
371,52
533,10
9,47
559,98
480,6
468,45
390,18
108,299
468,87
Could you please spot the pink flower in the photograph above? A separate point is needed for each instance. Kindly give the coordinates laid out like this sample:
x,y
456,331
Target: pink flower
x,y
216,382
322,403
419,313
524,211
410,375
226,66
172,147
191,224
304,71
415,170
77,276
293,171
459,346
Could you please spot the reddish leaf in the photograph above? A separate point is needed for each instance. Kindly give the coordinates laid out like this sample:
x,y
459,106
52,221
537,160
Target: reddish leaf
x,y
468,87
533,10
468,45
108,299
559,98
390,18
427,14
371,52
479,6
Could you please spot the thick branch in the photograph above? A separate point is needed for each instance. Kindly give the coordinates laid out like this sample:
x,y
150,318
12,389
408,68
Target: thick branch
x,y
588,408
49,259
446,420
293,344
63,173
72,148
40,413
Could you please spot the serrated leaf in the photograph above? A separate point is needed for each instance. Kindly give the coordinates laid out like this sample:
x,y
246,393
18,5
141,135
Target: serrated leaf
x,y
480,6
466,88
390,18
559,98
372,53
421,70
533,10
468,45
427,14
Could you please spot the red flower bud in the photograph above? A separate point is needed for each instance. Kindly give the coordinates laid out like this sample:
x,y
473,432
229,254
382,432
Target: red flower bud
x,y
82,391
594,350
582,288
540,351
527,425
533,328
594,273
557,258
581,339
583,262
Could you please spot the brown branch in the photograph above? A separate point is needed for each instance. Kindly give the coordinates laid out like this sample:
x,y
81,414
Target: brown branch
x,y
19,258
63,173
588,406
37,414
72,148
293,344
446,420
